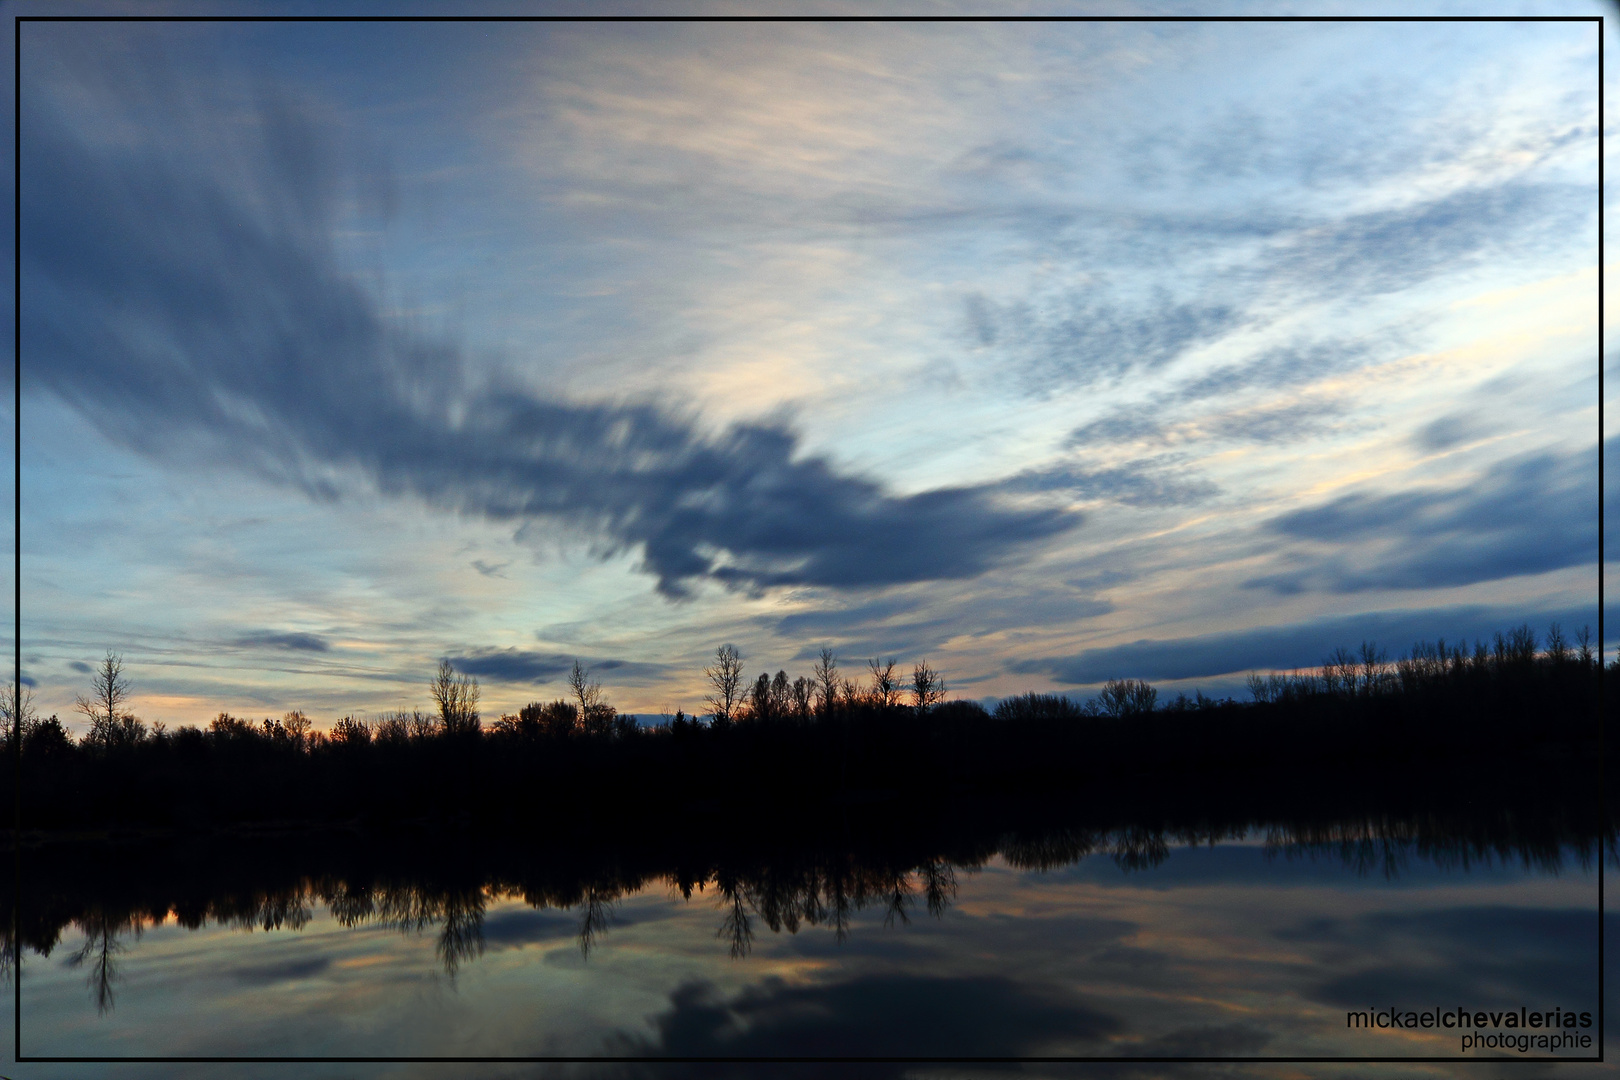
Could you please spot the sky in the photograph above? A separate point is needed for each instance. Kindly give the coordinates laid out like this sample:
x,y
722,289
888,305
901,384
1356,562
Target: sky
x,y
1047,353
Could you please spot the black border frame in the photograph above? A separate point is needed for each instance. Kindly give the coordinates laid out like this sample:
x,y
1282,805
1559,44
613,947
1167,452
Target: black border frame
x,y
16,684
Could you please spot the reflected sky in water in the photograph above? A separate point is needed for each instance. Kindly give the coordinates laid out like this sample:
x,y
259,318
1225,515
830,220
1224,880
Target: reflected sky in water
x,y
1236,949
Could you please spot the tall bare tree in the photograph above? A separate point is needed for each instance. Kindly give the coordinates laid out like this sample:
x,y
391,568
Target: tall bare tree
x,y
457,699
725,677
17,715
781,695
1557,644
110,723
826,679
885,690
927,688
595,714
1584,640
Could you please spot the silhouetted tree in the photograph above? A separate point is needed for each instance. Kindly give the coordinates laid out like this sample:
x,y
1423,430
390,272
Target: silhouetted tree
x,y
760,705
1584,640
110,724
227,728
558,720
298,727
421,725
725,677
350,731
457,699
1557,644
927,688
827,680
17,715
46,737
885,690
1025,707
1374,669
595,714
389,729
803,697
1339,672
1259,687
1127,697
1516,648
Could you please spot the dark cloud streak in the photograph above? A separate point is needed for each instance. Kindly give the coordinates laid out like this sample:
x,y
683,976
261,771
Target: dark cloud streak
x,y
1526,515
538,668
269,639
1298,645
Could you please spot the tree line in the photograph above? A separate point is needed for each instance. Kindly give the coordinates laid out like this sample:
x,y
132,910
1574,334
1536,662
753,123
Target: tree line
x,y
807,737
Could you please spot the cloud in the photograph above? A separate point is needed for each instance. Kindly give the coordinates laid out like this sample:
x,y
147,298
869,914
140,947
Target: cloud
x,y
1145,482
1296,645
514,665
1388,250
1259,424
80,666
1280,366
1526,515
1449,431
195,312
526,666
1078,339
1163,419
910,627
270,639
876,1015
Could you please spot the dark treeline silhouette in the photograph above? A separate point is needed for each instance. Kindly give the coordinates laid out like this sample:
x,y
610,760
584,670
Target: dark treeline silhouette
x,y
790,747
758,875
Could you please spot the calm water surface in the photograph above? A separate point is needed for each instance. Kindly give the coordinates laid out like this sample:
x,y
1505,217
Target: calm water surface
x,y
1246,947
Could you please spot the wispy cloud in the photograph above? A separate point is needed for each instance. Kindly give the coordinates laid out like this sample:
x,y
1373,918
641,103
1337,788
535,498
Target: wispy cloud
x,y
1077,340
1158,481
1271,424
1386,250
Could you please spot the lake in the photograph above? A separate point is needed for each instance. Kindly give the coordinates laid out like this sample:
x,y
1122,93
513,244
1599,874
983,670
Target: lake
x,y
1252,941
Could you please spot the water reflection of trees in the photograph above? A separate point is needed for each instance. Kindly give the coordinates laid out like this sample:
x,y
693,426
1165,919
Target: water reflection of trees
x,y
103,942
791,888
